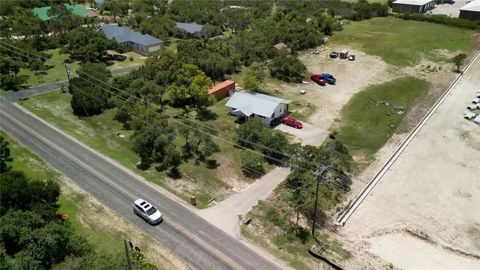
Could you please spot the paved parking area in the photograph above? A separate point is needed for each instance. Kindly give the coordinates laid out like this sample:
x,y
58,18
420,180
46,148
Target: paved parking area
x,y
309,134
449,10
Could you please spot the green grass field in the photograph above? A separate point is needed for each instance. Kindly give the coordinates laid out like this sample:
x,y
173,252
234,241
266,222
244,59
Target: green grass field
x,y
57,71
400,42
54,74
371,117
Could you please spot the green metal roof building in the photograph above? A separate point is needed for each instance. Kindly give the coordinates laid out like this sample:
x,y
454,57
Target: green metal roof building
x,y
42,12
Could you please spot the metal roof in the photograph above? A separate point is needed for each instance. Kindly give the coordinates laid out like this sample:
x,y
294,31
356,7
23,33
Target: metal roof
x,y
123,34
472,6
413,2
190,27
42,12
254,103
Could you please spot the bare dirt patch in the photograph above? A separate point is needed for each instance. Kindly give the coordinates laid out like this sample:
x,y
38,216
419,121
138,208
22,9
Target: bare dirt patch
x,y
432,189
94,215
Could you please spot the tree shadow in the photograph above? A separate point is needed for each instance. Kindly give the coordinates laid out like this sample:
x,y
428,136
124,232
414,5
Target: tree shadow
x,y
174,173
212,164
205,115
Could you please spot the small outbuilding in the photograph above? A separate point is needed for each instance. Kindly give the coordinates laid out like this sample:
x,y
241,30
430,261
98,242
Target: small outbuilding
x,y
222,90
280,46
143,44
470,11
412,6
246,105
193,29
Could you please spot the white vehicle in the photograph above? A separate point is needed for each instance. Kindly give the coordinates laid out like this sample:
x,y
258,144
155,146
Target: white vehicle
x,y
473,107
476,119
476,101
469,115
478,94
146,211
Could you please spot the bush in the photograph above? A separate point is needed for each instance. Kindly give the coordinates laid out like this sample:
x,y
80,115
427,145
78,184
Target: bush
x,y
441,19
252,164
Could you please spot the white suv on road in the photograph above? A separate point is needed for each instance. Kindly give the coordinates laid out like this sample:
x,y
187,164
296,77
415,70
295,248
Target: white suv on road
x,y
146,211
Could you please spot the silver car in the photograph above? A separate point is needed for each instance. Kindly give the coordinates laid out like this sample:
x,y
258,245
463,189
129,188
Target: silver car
x,y
147,211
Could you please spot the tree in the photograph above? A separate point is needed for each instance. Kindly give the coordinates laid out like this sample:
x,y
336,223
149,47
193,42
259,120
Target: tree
x,y
252,164
88,45
459,60
287,68
9,78
90,94
153,143
197,141
254,76
5,157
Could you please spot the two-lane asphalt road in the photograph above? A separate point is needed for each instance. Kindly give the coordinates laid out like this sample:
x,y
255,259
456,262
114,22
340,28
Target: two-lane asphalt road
x,y
197,242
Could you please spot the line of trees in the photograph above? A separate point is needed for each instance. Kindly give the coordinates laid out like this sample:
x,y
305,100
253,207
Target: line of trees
x,y
33,234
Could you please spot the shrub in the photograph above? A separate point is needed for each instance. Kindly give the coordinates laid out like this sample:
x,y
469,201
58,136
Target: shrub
x,y
441,19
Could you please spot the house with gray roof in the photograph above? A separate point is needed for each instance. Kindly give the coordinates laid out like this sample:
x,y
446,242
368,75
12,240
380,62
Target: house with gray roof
x,y
246,105
192,29
412,6
470,11
143,44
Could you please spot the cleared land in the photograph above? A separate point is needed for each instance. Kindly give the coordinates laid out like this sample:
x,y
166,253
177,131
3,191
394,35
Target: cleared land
x,y
89,217
431,195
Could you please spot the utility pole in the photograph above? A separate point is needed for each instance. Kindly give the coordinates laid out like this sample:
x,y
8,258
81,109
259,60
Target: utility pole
x,y
129,264
318,175
69,73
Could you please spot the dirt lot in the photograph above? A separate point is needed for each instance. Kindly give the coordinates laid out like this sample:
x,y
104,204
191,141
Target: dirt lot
x,y
352,77
427,207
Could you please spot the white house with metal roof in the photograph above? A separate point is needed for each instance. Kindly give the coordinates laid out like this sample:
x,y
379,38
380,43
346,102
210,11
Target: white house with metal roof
x,y
412,6
143,44
471,10
251,104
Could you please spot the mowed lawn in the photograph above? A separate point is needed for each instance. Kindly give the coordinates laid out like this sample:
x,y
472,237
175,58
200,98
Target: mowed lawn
x,y
400,42
371,117
56,72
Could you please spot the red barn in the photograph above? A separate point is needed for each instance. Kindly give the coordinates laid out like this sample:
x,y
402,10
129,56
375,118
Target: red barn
x,y
222,90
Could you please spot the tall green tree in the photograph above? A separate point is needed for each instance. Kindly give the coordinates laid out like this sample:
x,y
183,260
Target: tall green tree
x,y
87,45
5,157
90,93
287,68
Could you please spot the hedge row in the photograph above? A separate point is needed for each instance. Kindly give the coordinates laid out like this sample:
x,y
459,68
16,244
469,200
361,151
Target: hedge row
x,y
441,19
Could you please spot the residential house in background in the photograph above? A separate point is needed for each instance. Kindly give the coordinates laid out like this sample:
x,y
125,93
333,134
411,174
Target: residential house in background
x,y
412,6
246,105
470,11
98,4
192,29
143,44
42,12
222,90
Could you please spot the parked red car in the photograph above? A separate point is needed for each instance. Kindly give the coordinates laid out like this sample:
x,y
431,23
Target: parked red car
x,y
290,121
316,78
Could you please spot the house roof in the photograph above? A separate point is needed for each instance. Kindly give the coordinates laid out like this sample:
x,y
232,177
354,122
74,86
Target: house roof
x,y
472,6
412,2
221,86
254,103
219,37
42,12
190,27
123,34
